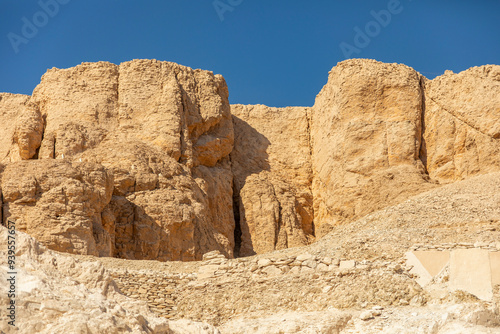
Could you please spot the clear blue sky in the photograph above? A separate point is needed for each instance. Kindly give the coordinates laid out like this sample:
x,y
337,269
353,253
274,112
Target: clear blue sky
x,y
273,52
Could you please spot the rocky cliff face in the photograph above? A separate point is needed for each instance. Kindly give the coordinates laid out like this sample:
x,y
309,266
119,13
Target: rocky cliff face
x,y
147,159
133,162
462,124
366,135
273,177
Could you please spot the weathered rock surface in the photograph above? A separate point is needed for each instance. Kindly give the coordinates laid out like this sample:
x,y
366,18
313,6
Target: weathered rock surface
x,y
272,175
462,124
358,271
22,127
59,203
56,293
140,160
163,133
366,135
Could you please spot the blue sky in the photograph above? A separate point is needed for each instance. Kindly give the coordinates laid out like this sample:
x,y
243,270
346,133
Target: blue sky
x,y
275,52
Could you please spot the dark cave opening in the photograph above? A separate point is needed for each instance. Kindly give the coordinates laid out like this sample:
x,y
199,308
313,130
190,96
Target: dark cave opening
x,y
237,226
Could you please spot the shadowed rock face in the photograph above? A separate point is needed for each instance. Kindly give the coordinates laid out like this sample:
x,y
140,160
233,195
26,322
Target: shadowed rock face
x,y
147,160
272,175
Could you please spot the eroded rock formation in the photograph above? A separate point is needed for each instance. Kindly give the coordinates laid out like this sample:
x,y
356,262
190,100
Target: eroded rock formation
x,y
273,177
366,135
160,132
462,124
147,159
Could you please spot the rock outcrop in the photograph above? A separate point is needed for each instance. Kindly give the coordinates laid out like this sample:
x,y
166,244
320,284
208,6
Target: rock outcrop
x,y
162,132
59,203
366,135
22,128
462,124
147,159
272,175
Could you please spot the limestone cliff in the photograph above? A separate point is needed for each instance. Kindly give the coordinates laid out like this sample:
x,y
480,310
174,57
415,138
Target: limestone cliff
x,y
147,159
161,133
462,124
273,177
366,135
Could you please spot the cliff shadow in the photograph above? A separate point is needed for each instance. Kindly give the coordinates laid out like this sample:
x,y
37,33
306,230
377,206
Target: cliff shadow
x,y
138,236
249,157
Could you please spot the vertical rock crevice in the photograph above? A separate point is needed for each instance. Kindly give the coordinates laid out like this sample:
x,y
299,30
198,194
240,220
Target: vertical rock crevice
x,y
1,197
308,112
237,222
423,147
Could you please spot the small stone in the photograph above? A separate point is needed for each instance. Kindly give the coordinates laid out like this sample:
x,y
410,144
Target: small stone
x,y
347,264
306,270
366,315
285,269
327,289
322,267
213,255
264,263
295,271
310,263
272,271
304,257
216,261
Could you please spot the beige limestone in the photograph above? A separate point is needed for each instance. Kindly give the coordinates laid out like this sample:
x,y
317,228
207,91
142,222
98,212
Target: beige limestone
x,y
59,203
427,264
470,271
272,175
495,268
423,277
137,161
433,261
462,124
366,136
22,128
163,133
57,293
